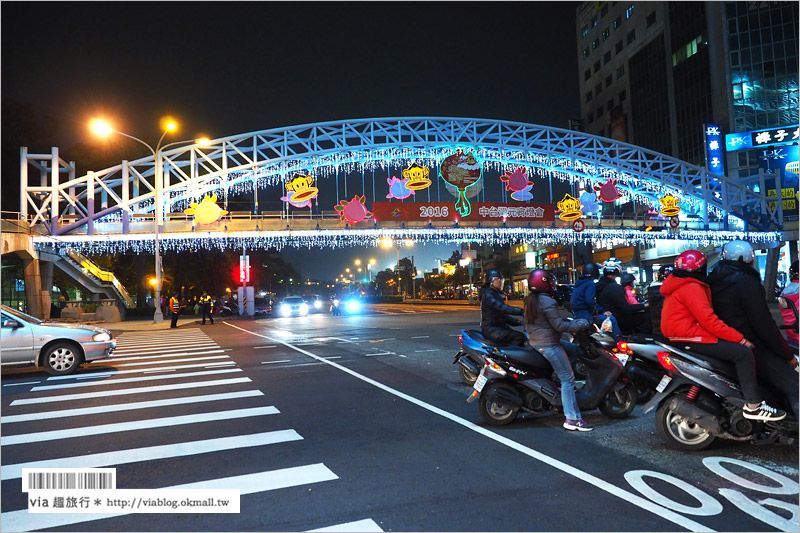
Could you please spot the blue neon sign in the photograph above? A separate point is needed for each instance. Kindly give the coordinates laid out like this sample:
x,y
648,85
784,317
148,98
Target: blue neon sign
x,y
760,138
714,149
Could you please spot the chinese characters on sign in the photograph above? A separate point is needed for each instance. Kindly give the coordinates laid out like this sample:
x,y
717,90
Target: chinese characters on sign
x,y
714,152
759,138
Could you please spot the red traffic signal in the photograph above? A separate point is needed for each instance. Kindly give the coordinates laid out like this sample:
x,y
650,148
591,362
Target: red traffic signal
x,y
243,273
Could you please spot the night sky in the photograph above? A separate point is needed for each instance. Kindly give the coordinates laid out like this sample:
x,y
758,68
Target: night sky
x,y
229,68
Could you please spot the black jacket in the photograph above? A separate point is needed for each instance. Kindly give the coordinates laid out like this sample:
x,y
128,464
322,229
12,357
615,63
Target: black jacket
x,y
495,310
739,299
656,301
611,296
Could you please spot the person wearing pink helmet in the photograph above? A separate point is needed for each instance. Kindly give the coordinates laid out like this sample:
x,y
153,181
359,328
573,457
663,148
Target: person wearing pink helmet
x,y
688,318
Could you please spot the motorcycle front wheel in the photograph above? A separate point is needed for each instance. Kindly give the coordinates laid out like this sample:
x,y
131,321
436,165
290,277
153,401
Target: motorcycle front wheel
x,y
494,412
620,403
679,432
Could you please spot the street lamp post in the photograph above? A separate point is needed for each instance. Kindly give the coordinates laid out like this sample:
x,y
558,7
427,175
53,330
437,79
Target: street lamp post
x,y
103,128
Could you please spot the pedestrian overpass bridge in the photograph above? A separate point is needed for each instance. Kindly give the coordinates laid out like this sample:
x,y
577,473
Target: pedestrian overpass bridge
x,y
135,204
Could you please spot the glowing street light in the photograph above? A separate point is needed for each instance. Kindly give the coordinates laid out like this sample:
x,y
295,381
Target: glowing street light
x,y
103,128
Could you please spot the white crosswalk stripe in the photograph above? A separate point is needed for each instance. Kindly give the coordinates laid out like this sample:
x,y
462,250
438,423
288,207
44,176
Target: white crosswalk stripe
x,y
184,363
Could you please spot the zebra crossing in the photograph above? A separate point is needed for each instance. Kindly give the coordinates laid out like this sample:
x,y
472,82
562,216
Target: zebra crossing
x,y
154,378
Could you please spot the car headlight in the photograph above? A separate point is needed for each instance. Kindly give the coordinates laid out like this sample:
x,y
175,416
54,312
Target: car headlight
x,y
318,304
352,306
286,310
303,309
101,337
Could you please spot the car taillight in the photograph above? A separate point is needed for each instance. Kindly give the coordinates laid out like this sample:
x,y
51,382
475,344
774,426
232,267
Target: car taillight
x,y
666,362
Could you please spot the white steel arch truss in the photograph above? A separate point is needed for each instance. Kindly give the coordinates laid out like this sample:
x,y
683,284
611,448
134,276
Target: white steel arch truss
x,y
269,156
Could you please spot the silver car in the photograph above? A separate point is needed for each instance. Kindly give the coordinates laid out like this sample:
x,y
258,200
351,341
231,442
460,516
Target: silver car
x,y
59,348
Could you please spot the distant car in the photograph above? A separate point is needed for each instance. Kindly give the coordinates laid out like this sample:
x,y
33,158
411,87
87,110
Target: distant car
x,y
351,305
293,306
59,348
317,304
262,306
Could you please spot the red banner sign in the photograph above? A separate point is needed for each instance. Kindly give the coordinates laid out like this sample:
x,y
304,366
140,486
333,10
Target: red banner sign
x,y
433,211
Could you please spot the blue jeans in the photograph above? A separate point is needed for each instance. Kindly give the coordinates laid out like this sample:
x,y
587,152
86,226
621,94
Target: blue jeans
x,y
560,363
615,331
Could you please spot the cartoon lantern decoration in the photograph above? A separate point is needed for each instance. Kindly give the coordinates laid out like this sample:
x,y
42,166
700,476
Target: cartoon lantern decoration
x,y
570,208
299,191
417,177
398,188
354,210
518,183
207,211
461,171
670,207
608,191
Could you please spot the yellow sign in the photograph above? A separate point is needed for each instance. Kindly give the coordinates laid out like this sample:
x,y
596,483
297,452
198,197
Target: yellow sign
x,y
670,206
207,211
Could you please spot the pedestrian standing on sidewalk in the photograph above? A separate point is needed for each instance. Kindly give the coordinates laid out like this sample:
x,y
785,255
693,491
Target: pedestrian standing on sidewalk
x,y
175,308
206,307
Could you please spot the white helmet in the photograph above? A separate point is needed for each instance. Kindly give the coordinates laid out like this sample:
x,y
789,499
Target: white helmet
x,y
612,265
739,251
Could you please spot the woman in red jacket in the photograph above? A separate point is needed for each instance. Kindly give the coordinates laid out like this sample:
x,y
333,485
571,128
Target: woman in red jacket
x,y
687,317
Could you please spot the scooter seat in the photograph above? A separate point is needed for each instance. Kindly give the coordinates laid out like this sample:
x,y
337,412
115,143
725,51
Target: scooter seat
x,y
647,338
527,355
712,363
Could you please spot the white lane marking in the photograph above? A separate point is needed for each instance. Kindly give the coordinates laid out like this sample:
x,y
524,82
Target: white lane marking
x,y
421,337
150,453
151,346
157,371
153,354
260,347
342,341
10,419
123,392
140,370
367,525
381,353
117,427
22,520
114,382
621,493
23,383
420,351
276,362
179,360
454,335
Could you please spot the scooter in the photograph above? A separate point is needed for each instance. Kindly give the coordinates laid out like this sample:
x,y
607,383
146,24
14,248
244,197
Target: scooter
x,y
514,379
227,309
698,400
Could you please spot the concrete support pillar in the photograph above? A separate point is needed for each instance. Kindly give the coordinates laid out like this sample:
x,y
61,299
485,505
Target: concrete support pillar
x,y
46,271
33,291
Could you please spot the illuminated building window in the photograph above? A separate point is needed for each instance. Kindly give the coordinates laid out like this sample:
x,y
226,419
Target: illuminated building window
x,y
617,23
584,31
605,34
595,44
594,22
585,53
629,12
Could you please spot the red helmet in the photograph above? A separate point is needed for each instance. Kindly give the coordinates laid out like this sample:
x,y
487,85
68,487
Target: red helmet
x,y
691,261
541,281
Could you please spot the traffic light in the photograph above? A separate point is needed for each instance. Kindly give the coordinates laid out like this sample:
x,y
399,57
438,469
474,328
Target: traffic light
x,y
244,269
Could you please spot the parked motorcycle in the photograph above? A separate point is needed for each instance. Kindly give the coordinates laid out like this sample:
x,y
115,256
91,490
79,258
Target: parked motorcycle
x,y
698,400
228,309
513,379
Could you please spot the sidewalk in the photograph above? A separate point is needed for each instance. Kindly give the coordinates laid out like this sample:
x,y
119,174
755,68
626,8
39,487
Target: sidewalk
x,y
149,325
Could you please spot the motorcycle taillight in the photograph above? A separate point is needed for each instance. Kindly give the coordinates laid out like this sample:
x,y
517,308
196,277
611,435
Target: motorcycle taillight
x,y
666,362
461,339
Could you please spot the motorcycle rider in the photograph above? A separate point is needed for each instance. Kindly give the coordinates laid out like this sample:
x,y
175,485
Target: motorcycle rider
x,y
692,323
791,292
627,284
545,325
656,299
611,295
495,321
739,299
584,303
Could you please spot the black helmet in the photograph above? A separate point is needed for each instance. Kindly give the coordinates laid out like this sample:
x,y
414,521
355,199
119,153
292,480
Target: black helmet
x,y
590,270
664,271
793,271
627,279
492,274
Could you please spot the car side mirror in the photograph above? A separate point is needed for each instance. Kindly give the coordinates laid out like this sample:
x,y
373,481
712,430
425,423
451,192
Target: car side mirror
x,y
11,323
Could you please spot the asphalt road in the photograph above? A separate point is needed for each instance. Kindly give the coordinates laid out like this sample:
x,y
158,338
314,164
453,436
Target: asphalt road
x,y
373,432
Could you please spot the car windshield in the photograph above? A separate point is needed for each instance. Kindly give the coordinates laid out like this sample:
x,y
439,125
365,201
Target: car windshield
x,y
23,316
293,300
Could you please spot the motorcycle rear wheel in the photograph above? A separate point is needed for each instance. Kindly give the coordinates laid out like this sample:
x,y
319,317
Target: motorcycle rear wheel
x,y
680,433
621,403
493,412
467,377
